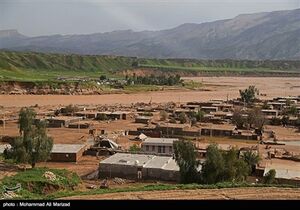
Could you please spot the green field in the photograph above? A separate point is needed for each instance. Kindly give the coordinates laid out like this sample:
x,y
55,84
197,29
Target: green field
x,y
30,66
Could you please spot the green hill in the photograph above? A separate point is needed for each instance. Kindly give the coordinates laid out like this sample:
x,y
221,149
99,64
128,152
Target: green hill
x,y
30,66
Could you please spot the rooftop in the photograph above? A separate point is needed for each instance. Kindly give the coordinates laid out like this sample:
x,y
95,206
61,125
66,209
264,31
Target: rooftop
x,y
147,161
160,140
67,148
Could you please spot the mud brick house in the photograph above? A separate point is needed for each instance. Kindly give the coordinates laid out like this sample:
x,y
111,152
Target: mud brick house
x,y
171,129
62,121
158,145
223,107
185,111
143,119
87,114
208,109
148,131
142,166
270,112
67,152
218,130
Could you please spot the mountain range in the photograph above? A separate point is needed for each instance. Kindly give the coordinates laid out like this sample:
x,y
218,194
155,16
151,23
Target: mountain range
x,y
260,36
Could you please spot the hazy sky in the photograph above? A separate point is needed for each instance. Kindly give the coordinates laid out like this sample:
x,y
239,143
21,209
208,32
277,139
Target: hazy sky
x,y
44,17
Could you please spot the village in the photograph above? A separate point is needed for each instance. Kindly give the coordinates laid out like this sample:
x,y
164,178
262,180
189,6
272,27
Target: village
x,y
113,144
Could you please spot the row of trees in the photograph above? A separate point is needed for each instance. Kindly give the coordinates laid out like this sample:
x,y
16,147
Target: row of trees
x,y
154,80
219,166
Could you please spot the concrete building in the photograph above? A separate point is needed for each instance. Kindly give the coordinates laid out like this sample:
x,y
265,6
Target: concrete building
x,y
139,166
158,145
67,152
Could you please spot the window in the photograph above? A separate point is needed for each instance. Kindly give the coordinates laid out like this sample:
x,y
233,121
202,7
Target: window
x,y
153,148
159,149
163,149
170,149
147,147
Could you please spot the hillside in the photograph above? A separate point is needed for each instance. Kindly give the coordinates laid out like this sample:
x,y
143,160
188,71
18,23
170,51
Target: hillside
x,y
28,66
260,36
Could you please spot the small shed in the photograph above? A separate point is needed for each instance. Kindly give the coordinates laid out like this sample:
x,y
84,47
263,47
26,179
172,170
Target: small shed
x,y
67,152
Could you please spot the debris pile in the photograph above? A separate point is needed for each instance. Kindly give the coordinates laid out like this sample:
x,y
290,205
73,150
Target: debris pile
x,y
50,176
119,180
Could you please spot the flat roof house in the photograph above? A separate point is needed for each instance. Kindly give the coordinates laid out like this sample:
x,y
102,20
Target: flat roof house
x,y
158,145
208,109
143,119
217,130
67,152
134,166
270,112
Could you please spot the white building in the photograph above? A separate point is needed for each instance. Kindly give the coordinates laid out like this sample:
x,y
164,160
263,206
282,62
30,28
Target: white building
x,y
158,145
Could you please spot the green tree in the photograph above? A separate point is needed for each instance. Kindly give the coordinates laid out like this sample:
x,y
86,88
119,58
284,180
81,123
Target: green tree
x,y
222,166
269,178
134,148
214,165
200,115
251,158
185,156
33,145
183,118
256,118
248,95
238,119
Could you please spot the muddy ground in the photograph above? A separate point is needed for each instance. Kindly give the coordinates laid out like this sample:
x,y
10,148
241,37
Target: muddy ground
x,y
219,88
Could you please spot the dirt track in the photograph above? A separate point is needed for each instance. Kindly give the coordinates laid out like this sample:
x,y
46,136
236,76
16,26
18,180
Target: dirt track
x,y
202,194
220,88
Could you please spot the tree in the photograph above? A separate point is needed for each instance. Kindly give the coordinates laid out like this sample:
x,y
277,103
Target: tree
x,y
183,118
222,166
185,156
33,145
200,115
134,148
163,115
214,165
70,109
103,77
249,94
269,178
251,158
256,118
238,119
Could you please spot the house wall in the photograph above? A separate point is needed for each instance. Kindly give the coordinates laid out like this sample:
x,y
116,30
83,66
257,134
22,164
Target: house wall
x,y
208,132
63,157
154,148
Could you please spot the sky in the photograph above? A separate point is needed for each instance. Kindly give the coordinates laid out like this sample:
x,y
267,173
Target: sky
x,y
47,17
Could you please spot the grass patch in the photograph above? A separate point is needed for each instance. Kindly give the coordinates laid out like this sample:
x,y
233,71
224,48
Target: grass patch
x,y
36,186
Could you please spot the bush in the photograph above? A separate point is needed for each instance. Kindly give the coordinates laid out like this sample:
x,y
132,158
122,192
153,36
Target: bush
x,y
269,178
134,148
102,117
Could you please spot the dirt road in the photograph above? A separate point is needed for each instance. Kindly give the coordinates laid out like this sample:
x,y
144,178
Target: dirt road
x,y
201,194
220,88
